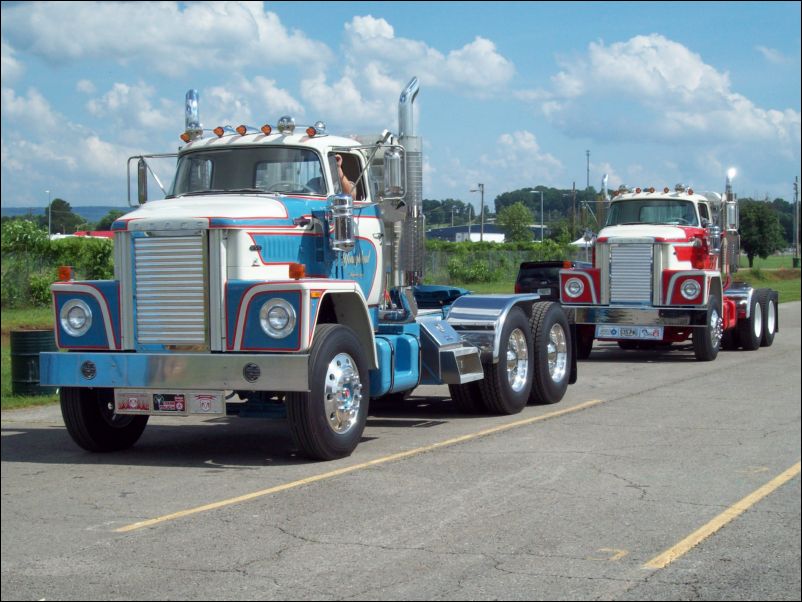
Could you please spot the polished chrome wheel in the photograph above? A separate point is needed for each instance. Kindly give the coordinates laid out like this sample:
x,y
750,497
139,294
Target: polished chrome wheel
x,y
716,328
557,353
343,393
517,360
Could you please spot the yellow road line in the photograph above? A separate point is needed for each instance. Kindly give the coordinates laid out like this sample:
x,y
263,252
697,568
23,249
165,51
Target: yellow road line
x,y
670,555
349,469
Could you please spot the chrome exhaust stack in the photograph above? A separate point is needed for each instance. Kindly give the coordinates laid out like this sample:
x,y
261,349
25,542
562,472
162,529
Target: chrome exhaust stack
x,y
408,235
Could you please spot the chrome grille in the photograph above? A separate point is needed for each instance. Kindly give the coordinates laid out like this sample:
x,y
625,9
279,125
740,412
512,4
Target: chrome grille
x,y
631,273
170,281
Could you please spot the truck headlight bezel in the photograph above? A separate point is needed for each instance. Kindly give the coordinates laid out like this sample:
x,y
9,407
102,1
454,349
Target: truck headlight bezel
x,y
75,317
574,287
277,318
690,289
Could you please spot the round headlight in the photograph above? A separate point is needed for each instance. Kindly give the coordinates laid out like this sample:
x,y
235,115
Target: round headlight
x,y
277,318
75,317
574,287
690,289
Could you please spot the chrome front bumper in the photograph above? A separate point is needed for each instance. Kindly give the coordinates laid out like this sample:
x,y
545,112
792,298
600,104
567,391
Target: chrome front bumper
x,y
221,371
640,316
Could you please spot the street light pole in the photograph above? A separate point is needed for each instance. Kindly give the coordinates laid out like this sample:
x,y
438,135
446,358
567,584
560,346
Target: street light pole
x,y
481,190
49,214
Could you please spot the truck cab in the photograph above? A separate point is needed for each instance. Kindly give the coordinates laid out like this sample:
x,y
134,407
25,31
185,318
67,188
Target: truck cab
x,y
662,273
258,287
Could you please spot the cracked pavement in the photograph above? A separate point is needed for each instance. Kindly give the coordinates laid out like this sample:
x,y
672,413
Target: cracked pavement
x,y
562,509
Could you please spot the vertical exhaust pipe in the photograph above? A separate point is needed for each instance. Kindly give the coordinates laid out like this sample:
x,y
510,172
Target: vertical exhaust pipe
x,y
409,248
405,119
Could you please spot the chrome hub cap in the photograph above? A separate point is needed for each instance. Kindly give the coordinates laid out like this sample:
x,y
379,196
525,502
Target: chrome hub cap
x,y
716,328
342,393
557,353
517,360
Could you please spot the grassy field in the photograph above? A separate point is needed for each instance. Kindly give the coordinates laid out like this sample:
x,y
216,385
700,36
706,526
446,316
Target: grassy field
x,y
774,273
20,319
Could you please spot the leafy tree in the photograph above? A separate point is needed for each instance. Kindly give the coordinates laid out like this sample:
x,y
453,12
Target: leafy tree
x,y
61,218
761,234
516,220
107,220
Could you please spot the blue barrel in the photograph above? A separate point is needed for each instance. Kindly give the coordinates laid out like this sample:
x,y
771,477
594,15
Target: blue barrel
x,y
25,348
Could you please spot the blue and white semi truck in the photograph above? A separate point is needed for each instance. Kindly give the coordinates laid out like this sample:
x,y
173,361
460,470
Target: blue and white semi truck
x,y
257,284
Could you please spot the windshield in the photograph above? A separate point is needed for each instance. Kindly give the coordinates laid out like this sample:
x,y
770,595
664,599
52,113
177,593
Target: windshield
x,y
250,169
653,211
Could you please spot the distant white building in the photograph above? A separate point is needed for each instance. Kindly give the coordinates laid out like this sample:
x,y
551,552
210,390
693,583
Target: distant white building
x,y
475,236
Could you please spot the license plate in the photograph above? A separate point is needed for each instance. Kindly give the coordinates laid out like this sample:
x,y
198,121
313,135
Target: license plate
x,y
642,333
544,291
181,403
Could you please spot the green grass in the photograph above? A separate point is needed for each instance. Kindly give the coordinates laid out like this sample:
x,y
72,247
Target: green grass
x,y
20,319
774,272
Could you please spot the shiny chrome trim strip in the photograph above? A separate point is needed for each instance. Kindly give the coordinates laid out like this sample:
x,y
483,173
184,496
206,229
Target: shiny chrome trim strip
x,y
279,372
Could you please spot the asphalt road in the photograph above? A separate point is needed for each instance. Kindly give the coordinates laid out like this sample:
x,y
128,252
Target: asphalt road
x,y
579,500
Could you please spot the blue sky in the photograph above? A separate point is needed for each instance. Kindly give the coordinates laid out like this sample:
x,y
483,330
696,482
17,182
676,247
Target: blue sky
x,y
512,94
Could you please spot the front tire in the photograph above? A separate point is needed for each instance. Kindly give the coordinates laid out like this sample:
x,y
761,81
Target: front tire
x,y
552,353
707,340
92,422
327,422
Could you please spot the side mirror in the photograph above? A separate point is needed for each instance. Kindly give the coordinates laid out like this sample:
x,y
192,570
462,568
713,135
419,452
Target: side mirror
x,y
394,176
732,216
714,236
341,222
142,180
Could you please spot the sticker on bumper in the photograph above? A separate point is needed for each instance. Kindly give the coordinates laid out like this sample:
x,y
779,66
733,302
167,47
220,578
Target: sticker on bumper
x,y
642,333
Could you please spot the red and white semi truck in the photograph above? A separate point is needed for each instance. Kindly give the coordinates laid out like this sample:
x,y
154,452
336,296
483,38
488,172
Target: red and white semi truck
x,y
662,273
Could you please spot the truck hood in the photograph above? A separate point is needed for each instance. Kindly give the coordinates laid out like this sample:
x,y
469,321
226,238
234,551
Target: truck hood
x,y
204,212
657,232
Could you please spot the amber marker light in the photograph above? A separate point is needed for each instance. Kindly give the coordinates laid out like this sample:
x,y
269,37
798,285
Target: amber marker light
x,y
242,129
65,273
185,137
266,129
219,131
665,190
297,271
310,131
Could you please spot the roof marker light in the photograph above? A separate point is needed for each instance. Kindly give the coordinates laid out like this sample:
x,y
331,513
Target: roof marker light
x,y
185,137
665,190
219,131
310,131
651,189
266,129
286,125
637,190
690,190
242,129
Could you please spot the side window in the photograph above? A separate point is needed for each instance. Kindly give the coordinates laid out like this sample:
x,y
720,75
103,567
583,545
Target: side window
x,y
351,169
338,187
704,212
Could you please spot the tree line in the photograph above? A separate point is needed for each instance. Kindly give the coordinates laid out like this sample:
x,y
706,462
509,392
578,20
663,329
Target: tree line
x,y
568,213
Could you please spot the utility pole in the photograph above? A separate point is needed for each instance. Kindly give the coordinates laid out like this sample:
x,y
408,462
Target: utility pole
x,y
573,208
796,222
587,155
481,190
49,214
